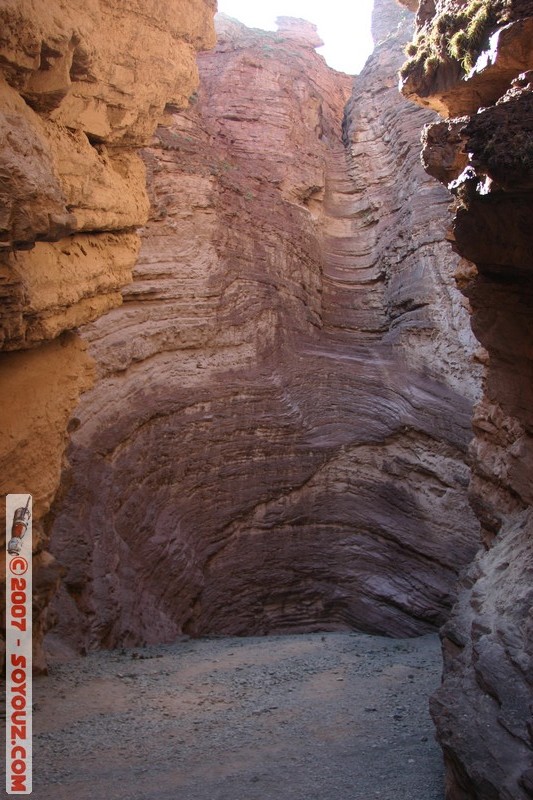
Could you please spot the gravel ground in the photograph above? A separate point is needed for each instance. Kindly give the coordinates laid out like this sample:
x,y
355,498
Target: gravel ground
x,y
335,716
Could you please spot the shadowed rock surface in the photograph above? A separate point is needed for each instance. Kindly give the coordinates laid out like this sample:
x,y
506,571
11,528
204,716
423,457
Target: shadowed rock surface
x,y
82,87
277,439
484,709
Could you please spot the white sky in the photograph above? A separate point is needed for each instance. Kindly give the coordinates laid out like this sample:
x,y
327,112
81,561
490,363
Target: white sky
x,y
344,25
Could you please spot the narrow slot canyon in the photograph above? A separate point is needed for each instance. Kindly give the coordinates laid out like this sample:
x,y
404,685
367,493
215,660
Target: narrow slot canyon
x,y
268,327
269,391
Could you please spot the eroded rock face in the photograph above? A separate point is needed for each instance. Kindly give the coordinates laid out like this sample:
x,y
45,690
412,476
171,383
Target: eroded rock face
x,y
76,102
275,442
484,709
466,52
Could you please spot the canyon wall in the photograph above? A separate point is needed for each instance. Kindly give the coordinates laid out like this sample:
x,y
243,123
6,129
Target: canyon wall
x,y
277,437
484,153
82,87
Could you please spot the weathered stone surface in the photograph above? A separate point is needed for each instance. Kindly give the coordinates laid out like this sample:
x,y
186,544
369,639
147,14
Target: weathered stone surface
x,y
387,18
62,171
458,79
83,85
277,439
412,5
483,710
55,182
113,87
33,205
396,247
61,285
300,30
46,384
38,390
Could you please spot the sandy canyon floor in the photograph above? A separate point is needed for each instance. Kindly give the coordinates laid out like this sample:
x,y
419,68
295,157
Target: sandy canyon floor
x,y
334,716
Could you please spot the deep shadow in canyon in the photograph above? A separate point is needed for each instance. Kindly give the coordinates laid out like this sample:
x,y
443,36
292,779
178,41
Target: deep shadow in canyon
x,y
483,711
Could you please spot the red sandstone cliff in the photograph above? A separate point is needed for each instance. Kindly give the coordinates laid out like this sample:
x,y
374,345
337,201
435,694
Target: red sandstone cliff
x,y
76,102
277,438
484,709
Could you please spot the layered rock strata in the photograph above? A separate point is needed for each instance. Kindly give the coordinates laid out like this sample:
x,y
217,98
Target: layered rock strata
x,y
484,709
76,103
277,438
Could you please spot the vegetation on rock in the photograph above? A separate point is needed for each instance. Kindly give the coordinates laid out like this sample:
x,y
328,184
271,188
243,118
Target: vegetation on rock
x,y
457,34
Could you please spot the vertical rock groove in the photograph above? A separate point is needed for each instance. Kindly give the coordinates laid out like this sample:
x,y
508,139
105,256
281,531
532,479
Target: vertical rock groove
x,y
277,438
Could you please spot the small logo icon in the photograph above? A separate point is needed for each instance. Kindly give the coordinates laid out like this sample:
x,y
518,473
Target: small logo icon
x,y
18,529
18,566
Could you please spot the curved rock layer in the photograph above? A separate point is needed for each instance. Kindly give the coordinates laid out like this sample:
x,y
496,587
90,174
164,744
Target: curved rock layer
x,y
277,438
76,103
484,709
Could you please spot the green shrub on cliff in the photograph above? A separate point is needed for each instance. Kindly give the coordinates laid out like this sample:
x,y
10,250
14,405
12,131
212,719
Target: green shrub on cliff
x,y
457,34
